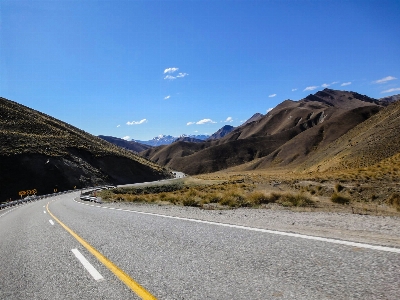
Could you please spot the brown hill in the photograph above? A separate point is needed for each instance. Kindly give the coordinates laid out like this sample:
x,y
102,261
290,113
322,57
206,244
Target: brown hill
x,y
288,134
40,152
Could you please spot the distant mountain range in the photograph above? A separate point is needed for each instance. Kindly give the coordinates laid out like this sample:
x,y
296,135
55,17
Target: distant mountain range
x,y
294,134
129,145
169,139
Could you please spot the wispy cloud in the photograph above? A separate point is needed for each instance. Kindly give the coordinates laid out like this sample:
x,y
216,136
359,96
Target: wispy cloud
x,y
272,95
384,80
118,126
345,83
181,75
228,120
391,90
205,121
335,82
201,122
167,97
325,85
137,122
170,77
126,137
293,90
170,70
310,88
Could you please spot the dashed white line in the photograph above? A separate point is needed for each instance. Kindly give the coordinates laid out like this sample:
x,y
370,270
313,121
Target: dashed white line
x,y
88,266
296,235
44,211
51,222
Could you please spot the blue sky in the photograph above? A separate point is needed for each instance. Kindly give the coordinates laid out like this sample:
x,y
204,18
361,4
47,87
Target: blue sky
x,y
139,69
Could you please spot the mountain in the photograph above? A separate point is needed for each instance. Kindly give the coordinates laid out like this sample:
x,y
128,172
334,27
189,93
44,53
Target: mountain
x,y
221,132
253,118
40,152
288,135
168,139
158,140
188,139
390,99
129,145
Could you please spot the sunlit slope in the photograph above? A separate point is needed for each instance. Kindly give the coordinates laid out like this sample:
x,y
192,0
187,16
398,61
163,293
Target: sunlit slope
x,y
371,142
287,136
41,152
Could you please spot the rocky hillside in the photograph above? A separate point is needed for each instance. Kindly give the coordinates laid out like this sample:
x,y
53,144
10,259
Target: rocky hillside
x,y
40,152
287,136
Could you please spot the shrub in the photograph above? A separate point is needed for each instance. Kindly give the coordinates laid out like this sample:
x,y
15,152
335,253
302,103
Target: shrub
x,y
299,200
257,198
394,200
338,187
340,199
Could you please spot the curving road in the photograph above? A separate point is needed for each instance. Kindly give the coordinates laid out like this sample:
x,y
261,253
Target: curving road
x,y
174,258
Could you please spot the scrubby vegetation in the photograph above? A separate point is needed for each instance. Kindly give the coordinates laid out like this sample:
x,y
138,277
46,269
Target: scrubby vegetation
x,y
229,194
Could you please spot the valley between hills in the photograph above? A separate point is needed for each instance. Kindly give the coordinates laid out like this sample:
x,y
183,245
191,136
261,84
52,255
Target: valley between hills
x,y
336,151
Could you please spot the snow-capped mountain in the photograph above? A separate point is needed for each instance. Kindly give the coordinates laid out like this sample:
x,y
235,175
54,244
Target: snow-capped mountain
x,y
169,139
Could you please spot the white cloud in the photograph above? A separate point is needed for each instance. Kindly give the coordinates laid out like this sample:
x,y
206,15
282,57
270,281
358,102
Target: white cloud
x,y
335,82
345,83
269,109
391,90
137,122
169,77
126,137
293,90
310,88
384,80
170,70
167,97
181,75
272,95
205,121
190,123
118,126
325,85
228,120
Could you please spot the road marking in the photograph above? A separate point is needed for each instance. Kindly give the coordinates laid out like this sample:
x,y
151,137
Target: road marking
x,y
88,266
9,211
44,211
290,234
51,222
132,284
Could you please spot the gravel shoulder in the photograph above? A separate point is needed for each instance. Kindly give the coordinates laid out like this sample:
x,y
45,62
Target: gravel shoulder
x,y
376,230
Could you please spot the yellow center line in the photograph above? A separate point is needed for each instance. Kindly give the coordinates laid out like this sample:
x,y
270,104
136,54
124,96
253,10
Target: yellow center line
x,y
125,278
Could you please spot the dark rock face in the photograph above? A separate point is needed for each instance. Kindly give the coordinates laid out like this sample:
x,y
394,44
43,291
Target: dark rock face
x,y
221,132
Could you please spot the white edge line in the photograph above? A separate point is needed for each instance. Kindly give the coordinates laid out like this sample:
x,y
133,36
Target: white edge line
x,y
290,234
88,266
51,222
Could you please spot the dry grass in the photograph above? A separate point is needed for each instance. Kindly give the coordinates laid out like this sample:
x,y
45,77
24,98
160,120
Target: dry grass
x,y
228,194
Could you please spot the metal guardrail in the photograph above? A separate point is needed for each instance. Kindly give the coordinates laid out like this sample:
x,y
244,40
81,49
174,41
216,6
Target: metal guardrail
x,y
84,196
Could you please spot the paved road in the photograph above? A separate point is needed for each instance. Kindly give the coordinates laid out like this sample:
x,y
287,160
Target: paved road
x,y
177,259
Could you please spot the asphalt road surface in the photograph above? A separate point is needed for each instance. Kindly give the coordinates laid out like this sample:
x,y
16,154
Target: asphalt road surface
x,y
174,258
